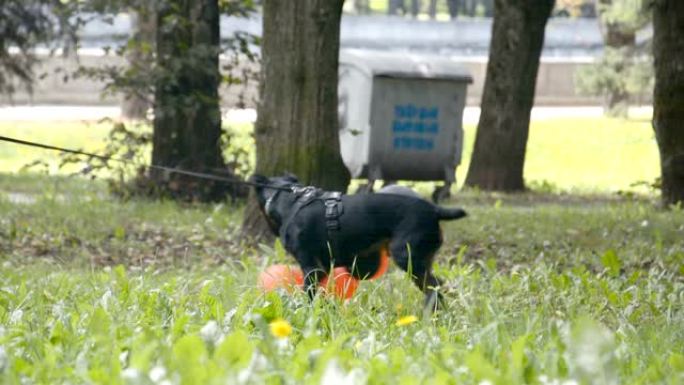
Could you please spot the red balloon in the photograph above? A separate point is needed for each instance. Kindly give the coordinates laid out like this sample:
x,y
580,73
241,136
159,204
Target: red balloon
x,y
344,284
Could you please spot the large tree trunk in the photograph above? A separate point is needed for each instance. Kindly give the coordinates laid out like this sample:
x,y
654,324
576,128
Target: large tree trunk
x,y
668,99
517,40
187,118
297,127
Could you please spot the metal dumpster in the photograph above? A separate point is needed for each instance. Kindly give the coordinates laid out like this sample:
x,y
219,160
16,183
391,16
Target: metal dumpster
x,y
401,116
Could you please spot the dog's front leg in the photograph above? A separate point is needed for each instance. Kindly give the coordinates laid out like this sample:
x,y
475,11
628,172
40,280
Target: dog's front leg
x,y
430,284
312,277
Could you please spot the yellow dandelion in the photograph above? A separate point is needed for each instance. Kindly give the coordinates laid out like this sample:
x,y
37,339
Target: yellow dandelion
x,y
406,320
280,328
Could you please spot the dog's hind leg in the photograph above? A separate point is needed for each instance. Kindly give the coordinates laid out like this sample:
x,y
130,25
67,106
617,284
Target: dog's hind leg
x,y
415,256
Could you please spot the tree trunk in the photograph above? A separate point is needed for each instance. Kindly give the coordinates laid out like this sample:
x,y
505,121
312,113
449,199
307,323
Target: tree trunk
x,y
135,106
415,8
393,7
452,5
187,118
668,98
362,7
517,40
432,9
297,127
469,7
488,8
616,36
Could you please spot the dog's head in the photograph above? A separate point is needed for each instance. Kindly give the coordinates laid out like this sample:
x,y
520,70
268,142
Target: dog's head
x,y
273,198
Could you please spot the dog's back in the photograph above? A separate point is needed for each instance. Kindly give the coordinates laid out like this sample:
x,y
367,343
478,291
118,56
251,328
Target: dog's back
x,y
399,190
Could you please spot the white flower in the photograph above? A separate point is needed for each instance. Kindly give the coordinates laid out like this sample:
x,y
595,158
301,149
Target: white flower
x,y
591,353
256,364
485,382
106,298
334,375
366,346
210,332
228,317
282,344
16,316
58,309
81,364
132,376
157,374
4,361
123,358
545,380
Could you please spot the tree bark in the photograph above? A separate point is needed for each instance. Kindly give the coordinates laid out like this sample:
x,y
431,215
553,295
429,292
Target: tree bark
x,y
668,98
415,8
297,127
135,106
187,118
488,8
362,7
393,7
616,36
517,40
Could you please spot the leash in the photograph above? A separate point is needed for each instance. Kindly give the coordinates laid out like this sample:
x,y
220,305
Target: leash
x,y
200,175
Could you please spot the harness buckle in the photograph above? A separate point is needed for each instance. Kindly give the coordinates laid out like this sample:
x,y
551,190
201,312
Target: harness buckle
x,y
333,209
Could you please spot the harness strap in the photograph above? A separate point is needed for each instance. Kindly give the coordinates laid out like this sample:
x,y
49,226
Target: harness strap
x,y
333,210
304,196
332,201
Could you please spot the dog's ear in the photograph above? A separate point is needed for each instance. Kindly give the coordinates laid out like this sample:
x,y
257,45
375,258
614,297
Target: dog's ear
x,y
256,178
290,177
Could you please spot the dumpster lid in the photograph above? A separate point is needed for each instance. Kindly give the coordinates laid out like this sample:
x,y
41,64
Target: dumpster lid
x,y
404,65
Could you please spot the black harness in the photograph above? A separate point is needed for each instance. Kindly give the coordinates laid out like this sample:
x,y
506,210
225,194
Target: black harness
x,y
332,201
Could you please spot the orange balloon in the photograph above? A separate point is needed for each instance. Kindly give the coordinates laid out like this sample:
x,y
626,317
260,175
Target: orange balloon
x,y
384,263
344,284
290,277
280,276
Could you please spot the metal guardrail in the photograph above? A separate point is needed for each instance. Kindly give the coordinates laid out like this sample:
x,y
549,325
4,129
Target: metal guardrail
x,y
463,37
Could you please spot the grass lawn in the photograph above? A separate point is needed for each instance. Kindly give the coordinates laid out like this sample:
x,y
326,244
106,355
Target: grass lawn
x,y
577,155
540,289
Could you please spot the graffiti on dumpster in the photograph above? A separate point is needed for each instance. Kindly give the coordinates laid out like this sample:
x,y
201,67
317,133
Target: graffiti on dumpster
x,y
414,127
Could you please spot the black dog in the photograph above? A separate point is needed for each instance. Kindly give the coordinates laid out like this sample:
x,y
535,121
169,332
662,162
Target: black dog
x,y
322,229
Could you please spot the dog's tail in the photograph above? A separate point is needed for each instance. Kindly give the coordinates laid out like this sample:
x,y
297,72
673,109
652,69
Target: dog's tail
x,y
446,213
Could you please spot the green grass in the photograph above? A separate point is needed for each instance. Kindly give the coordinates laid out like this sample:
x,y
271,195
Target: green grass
x,y
584,154
592,154
580,154
540,289
80,135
